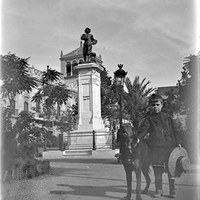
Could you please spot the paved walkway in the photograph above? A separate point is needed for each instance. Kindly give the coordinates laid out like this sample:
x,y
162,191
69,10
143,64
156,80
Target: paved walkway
x,y
96,177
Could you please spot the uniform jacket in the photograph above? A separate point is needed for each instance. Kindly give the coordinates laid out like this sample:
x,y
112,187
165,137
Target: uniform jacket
x,y
161,129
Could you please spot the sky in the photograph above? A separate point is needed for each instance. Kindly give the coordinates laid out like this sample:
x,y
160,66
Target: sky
x,y
149,37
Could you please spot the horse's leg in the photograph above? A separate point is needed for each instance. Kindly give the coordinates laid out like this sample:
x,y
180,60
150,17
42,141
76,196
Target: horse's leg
x,y
145,171
128,181
138,184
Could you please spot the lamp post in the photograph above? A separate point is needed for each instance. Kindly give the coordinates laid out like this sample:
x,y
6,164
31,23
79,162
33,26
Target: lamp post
x,y
119,77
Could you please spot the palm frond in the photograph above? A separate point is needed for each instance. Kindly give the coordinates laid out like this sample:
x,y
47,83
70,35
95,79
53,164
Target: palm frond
x,y
50,75
135,99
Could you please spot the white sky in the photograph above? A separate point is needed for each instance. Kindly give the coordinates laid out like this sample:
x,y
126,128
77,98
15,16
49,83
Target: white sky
x,y
151,38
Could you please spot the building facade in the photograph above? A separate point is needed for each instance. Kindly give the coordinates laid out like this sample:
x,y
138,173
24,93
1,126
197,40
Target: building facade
x,y
23,102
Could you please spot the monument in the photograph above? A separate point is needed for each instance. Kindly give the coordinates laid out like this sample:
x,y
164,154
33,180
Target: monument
x,y
89,40
89,122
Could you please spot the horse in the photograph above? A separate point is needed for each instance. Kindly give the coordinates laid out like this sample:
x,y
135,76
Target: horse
x,y
135,156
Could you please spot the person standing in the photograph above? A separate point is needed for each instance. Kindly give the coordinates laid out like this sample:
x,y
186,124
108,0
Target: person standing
x,y
162,139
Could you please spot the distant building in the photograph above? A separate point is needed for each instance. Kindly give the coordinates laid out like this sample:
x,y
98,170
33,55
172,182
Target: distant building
x,y
70,60
163,91
23,101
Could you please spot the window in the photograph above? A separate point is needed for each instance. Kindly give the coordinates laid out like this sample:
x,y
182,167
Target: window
x,y
37,106
12,106
25,106
58,110
73,68
68,69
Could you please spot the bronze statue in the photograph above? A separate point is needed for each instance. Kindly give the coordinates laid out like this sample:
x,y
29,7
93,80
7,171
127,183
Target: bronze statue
x,y
89,40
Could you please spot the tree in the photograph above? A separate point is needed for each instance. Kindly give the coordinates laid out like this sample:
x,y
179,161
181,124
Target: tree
x,y
27,133
16,80
15,76
75,109
51,92
108,95
50,76
66,121
172,104
136,99
20,139
9,144
188,84
189,97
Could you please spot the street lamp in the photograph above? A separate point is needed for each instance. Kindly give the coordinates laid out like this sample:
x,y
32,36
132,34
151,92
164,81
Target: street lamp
x,y
119,77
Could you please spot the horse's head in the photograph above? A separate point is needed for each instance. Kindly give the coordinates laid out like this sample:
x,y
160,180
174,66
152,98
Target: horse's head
x,y
132,151
129,145
127,134
128,139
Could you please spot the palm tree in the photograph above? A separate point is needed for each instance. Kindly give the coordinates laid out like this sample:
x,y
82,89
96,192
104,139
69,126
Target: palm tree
x,y
50,76
135,99
51,92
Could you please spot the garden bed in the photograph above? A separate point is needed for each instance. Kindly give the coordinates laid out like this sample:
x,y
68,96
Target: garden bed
x,y
23,169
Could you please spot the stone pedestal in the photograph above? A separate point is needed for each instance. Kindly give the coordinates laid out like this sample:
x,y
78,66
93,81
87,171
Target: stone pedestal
x,y
89,105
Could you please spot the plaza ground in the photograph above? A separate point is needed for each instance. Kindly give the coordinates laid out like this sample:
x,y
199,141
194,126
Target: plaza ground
x,y
96,177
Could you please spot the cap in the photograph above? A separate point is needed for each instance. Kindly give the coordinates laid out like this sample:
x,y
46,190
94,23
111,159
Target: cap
x,y
155,98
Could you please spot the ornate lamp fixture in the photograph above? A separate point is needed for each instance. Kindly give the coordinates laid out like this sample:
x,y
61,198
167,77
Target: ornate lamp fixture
x,y
120,75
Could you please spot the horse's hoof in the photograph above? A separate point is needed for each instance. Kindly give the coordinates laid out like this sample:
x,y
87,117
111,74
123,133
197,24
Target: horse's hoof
x,y
138,198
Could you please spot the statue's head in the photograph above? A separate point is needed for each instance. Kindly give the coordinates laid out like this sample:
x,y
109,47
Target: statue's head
x,y
87,30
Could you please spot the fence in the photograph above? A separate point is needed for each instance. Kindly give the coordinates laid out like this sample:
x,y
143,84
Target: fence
x,y
93,140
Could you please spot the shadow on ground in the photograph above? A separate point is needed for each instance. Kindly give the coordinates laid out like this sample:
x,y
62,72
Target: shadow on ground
x,y
87,174
87,160
97,191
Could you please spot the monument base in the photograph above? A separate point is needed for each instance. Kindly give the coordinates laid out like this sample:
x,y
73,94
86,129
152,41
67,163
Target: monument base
x,y
86,139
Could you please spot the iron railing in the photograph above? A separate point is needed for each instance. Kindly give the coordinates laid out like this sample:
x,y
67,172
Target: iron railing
x,y
64,141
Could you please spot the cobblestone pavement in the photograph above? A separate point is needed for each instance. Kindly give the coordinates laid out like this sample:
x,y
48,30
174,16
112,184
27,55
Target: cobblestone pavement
x,y
97,177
